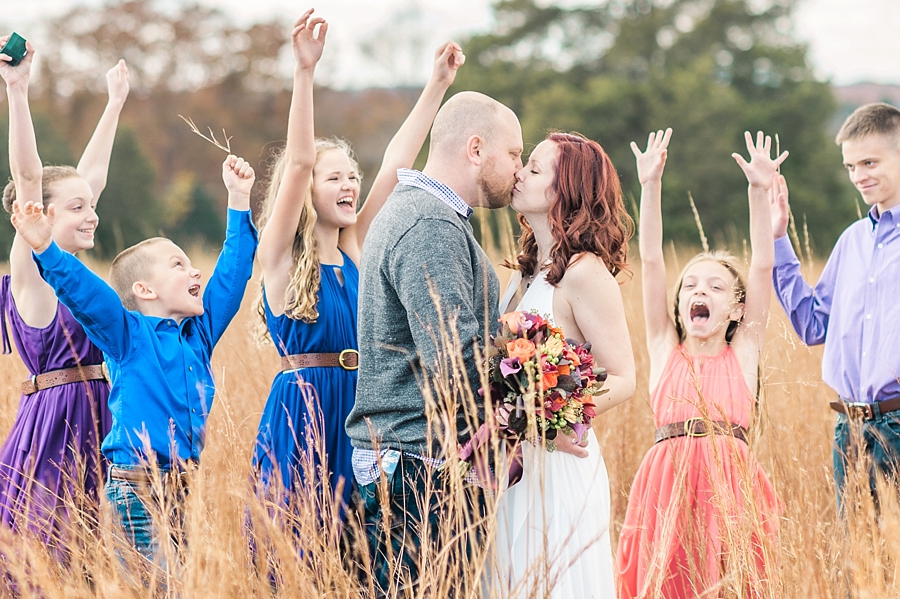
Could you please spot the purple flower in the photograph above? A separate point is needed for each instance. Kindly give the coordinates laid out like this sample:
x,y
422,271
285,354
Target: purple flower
x,y
510,366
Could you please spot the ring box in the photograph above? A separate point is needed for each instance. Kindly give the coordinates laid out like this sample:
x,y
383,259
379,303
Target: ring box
x,y
15,48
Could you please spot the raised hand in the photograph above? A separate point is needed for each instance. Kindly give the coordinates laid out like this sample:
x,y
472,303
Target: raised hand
x,y
652,161
35,227
306,44
117,83
447,60
238,176
19,74
779,207
761,169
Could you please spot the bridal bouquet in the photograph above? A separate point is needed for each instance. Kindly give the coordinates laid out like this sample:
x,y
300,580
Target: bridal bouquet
x,y
545,383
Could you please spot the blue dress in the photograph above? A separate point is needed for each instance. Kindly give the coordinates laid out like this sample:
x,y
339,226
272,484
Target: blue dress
x,y
286,424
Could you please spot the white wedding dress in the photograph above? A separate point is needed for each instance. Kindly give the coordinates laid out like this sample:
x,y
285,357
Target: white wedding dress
x,y
553,530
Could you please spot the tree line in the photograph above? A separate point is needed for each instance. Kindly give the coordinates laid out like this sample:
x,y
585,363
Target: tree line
x,y
613,71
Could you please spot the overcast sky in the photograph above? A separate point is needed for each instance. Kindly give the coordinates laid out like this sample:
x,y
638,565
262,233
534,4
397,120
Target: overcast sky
x,y
850,40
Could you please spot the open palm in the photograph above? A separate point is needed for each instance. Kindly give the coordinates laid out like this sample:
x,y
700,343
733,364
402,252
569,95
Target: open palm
x,y
761,169
652,161
35,227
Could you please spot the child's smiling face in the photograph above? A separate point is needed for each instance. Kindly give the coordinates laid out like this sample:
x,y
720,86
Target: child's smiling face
x,y
76,220
707,300
335,189
174,283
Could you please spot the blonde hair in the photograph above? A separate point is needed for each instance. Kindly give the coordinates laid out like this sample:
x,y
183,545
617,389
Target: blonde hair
x,y
872,119
130,266
727,260
302,294
49,176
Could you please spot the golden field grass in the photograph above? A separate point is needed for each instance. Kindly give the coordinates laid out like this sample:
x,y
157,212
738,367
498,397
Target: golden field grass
x,y
818,555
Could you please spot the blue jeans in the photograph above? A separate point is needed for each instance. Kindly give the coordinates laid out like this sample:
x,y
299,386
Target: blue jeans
x,y
395,539
873,444
133,505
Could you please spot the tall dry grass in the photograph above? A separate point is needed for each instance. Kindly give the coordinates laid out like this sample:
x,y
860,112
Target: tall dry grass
x,y
818,555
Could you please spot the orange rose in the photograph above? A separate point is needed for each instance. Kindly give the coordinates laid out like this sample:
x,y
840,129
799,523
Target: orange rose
x,y
513,320
520,348
549,379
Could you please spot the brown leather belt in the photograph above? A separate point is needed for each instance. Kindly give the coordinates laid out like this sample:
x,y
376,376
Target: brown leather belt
x,y
865,411
55,378
145,477
698,427
347,359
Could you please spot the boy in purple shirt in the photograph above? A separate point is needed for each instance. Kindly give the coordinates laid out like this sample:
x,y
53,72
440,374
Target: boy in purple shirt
x,y
854,308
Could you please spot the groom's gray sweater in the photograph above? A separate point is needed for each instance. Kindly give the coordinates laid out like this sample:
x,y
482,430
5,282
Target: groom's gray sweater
x,y
417,243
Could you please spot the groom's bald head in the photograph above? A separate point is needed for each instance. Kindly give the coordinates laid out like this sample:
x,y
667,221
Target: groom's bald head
x,y
467,114
476,148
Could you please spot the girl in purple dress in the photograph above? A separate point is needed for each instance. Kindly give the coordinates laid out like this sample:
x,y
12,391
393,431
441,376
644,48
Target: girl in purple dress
x,y
51,458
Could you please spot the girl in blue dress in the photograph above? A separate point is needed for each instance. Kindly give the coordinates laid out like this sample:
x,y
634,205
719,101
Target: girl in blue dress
x,y
310,243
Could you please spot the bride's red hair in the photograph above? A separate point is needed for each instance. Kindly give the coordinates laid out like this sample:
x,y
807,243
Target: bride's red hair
x,y
587,213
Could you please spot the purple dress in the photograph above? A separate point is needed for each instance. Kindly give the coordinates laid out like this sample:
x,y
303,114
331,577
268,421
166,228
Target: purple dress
x,y
55,440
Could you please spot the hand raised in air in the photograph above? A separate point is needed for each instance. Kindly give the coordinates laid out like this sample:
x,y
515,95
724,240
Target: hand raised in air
x,y
19,74
447,60
306,44
652,161
35,227
761,169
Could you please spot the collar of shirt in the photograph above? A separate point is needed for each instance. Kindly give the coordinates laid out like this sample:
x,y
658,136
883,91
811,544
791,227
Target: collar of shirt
x,y
158,322
874,217
420,180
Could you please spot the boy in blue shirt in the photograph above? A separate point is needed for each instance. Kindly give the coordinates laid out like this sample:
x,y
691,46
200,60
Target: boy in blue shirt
x,y
157,333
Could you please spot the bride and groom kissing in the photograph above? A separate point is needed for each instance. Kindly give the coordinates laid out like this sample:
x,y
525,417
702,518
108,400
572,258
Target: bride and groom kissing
x,y
429,297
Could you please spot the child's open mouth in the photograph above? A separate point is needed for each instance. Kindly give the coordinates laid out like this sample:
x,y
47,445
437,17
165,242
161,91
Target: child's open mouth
x,y
194,290
699,312
346,202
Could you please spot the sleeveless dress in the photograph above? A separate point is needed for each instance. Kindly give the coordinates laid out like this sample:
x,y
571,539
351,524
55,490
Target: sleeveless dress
x,y
553,532
692,494
55,438
286,425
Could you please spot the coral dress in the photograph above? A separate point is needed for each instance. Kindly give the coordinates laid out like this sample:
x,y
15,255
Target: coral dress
x,y
699,506
553,532
285,429
52,454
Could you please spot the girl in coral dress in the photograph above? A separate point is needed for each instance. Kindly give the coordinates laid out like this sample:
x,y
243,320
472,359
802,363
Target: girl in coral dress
x,y
702,515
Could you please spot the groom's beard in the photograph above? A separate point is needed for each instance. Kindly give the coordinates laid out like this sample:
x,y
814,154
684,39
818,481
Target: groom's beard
x,y
494,189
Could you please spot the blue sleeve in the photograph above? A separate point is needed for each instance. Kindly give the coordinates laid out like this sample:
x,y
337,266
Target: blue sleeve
x,y
93,303
225,291
808,308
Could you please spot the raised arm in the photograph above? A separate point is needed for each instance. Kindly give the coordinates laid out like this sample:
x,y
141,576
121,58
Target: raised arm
x,y
401,152
762,175
650,166
300,156
35,299
94,164
91,300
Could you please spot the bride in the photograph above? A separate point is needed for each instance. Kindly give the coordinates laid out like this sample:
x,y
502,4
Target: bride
x,y
553,538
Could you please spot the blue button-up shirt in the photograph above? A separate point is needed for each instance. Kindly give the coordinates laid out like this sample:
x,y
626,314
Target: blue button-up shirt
x,y
419,180
854,308
162,381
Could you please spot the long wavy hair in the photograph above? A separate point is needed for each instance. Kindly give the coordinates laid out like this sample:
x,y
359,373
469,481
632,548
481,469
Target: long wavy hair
x,y
587,213
727,260
302,294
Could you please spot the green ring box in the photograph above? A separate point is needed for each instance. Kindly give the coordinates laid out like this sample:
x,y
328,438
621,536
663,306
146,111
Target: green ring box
x,y
15,47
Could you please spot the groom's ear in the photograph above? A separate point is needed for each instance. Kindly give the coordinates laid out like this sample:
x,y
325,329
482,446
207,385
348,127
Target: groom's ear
x,y
475,149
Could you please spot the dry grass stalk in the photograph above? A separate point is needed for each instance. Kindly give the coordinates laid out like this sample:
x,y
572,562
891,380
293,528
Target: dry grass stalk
x,y
226,147
818,554
703,242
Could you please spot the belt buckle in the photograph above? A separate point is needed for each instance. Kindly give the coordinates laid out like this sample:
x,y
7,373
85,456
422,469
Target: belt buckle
x,y
860,410
104,371
34,384
341,359
689,428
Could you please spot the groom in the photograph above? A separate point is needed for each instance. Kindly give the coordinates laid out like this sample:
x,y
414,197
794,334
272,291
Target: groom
x,y
422,275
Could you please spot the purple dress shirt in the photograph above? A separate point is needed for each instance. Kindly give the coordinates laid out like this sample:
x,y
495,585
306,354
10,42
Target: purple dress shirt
x,y
854,308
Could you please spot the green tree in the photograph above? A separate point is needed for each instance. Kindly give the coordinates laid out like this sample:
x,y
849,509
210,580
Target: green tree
x,y
202,223
53,150
708,69
129,211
